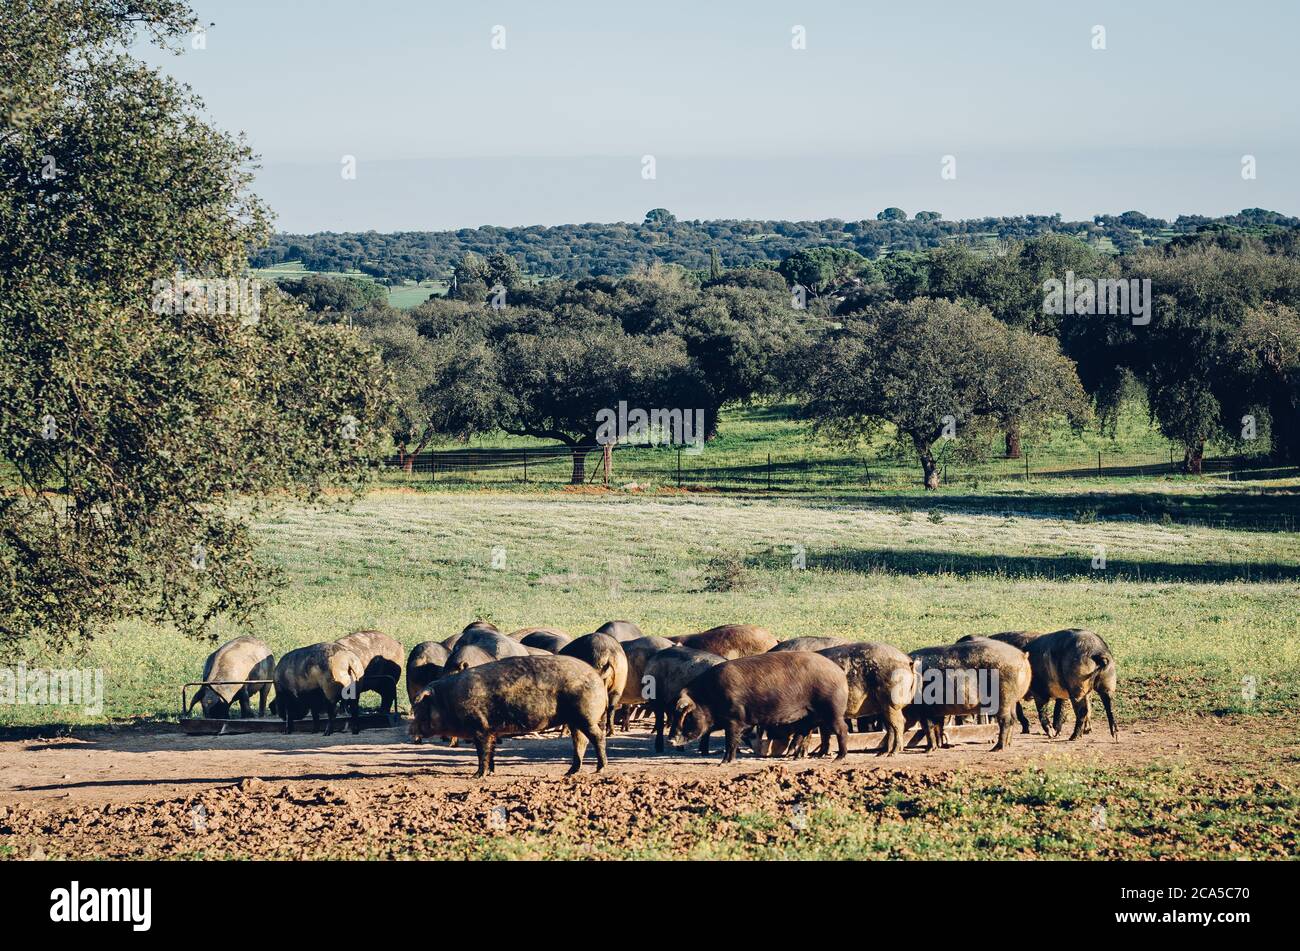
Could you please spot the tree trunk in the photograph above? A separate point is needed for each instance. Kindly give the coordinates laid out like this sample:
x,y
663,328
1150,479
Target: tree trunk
x,y
1193,457
929,465
579,466
1013,439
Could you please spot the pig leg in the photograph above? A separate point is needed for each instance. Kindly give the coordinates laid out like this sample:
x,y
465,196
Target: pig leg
x,y
1041,705
1020,715
733,731
598,741
933,734
329,721
354,718
1080,716
245,711
1005,720
261,701
579,747
704,745
659,730
893,740
609,713
288,716
1110,714
1058,716
480,746
841,730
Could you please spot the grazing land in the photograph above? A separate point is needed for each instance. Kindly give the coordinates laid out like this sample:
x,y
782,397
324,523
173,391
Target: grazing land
x,y
1203,617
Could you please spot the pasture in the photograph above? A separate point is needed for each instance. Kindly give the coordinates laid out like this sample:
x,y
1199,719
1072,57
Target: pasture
x,y
1203,617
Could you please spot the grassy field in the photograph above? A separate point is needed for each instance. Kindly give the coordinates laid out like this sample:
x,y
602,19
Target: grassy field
x,y
1188,579
1189,609
403,296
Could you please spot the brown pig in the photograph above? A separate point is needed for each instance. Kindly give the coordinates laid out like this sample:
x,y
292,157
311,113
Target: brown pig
x,y
638,654
423,665
809,643
481,647
512,697
1022,640
980,675
381,659
882,680
316,678
548,639
605,654
730,641
244,658
473,626
620,630
1070,665
792,691
667,673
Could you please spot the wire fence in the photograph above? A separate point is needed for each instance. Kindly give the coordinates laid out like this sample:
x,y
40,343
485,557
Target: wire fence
x,y
681,467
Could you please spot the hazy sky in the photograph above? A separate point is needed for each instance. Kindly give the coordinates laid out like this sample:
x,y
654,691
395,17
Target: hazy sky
x,y
449,132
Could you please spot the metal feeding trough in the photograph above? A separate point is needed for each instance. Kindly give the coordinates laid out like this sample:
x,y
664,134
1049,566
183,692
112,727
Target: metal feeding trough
x,y
210,727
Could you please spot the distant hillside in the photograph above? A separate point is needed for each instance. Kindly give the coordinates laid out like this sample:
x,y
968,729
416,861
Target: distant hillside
x,y
616,248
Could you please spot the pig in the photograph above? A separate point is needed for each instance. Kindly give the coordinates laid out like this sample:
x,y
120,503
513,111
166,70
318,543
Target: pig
x,y
788,690
481,647
381,659
512,697
730,641
809,643
316,678
525,632
1022,640
423,665
638,654
1069,665
620,630
480,625
666,675
951,680
882,680
605,654
546,639
244,658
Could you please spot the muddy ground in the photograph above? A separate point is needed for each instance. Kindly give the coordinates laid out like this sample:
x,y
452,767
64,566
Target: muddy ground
x,y
134,794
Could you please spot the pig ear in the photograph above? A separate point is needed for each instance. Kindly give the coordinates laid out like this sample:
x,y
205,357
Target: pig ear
x,y
685,703
422,695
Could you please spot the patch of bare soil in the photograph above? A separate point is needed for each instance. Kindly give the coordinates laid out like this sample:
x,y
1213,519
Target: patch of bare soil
x,y
377,794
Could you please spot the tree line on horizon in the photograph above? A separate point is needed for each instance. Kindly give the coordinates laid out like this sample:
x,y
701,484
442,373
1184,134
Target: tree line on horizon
x,y
598,250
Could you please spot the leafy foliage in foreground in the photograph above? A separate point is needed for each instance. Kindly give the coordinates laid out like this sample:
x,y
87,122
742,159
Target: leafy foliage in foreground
x,y
134,406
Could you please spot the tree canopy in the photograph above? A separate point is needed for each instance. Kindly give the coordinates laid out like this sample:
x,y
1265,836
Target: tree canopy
x,y
145,383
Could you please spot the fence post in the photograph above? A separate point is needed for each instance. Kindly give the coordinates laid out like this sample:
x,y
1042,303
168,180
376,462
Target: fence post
x,y
679,468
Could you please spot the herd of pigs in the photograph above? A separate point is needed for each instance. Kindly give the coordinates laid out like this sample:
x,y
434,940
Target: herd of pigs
x,y
482,684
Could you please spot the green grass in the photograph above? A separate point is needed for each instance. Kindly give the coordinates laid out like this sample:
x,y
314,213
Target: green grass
x,y
738,458
1189,610
403,296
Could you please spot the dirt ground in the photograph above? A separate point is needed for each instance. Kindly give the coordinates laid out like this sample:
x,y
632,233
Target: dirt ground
x,y
103,767
161,794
